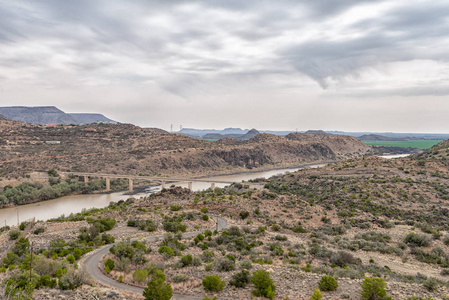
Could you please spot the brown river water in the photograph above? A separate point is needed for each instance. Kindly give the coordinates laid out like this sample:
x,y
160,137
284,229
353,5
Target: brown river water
x,y
75,203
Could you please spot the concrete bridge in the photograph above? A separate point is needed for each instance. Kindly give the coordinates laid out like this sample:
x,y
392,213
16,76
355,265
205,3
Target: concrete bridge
x,y
131,178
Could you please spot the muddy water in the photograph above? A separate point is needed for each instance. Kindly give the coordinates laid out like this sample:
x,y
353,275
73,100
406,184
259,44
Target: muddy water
x,y
75,203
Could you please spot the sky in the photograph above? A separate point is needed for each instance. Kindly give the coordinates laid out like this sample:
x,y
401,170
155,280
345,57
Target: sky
x,y
272,65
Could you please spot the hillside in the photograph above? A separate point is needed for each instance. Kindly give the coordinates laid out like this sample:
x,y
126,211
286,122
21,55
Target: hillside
x,y
355,219
128,149
3,118
84,118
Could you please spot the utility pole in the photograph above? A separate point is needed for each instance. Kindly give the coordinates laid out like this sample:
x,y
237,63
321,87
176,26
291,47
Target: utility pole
x,y
31,261
171,128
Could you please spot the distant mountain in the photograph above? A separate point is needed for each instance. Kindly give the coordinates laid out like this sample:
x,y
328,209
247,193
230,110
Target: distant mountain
x,y
374,137
250,134
44,115
40,115
202,132
316,132
91,118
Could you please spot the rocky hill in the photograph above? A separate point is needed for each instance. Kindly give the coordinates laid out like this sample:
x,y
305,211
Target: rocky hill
x,y
43,115
3,118
316,132
84,118
250,134
128,149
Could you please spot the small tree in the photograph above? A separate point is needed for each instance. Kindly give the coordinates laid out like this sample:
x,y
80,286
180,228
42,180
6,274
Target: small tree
x,y
328,283
317,295
373,289
263,284
157,288
140,275
213,283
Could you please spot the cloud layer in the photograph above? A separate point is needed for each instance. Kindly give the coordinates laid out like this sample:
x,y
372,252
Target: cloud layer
x,y
189,54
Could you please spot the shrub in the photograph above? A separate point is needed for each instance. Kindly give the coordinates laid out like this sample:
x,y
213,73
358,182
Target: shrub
x,y
328,283
186,260
14,234
39,230
246,264
70,258
157,288
175,207
166,251
263,284
419,240
21,247
213,283
23,225
373,289
140,275
240,279
431,284
109,263
180,278
244,215
225,264
70,280
281,237
317,295
205,218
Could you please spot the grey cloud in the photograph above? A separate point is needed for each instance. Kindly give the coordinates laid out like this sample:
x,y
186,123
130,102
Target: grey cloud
x,y
404,34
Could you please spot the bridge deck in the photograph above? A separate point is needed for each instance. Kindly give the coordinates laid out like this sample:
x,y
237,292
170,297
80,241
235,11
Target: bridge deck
x,y
151,178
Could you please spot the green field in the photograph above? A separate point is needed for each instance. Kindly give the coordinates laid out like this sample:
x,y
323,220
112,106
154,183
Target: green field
x,y
420,144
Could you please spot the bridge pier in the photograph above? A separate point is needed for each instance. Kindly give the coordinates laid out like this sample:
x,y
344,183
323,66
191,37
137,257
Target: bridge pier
x,y
108,184
86,179
189,184
130,184
163,184
212,186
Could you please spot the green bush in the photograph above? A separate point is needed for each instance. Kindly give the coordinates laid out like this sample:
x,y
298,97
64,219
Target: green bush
x,y
419,240
264,284
23,225
246,264
140,275
157,288
431,284
205,218
373,289
39,230
186,260
180,278
70,258
244,215
213,283
224,264
14,235
240,279
166,251
109,263
328,283
317,295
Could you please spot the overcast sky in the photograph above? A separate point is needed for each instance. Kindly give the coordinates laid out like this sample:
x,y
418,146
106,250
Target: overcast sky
x,y
280,65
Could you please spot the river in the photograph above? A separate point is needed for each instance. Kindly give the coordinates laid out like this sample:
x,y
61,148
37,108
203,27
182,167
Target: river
x,y
75,203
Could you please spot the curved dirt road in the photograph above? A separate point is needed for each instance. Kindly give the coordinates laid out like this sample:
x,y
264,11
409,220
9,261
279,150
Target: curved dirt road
x,y
90,264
